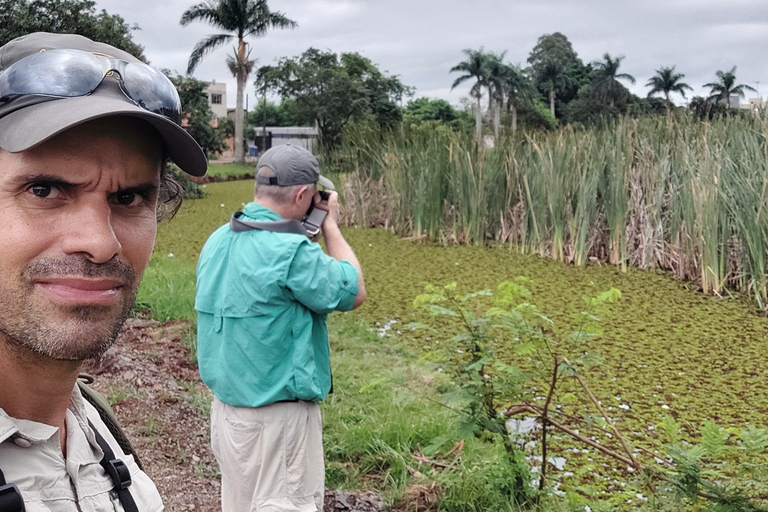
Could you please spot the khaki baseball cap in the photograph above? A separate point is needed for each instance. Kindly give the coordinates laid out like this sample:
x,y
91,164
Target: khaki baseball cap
x,y
292,165
29,120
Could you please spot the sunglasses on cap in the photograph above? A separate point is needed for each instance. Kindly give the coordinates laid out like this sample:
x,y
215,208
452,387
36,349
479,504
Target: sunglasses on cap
x,y
67,73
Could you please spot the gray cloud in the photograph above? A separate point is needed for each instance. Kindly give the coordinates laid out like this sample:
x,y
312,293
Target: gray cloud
x,y
420,40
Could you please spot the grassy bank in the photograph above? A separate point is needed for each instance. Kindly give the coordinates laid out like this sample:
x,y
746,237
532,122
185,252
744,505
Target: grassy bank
x,y
230,169
667,349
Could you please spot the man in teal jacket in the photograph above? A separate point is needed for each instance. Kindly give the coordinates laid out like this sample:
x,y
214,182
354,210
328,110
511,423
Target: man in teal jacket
x,y
262,301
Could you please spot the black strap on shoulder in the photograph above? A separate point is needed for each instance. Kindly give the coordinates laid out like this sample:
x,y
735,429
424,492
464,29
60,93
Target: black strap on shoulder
x,y
10,497
118,471
107,416
278,226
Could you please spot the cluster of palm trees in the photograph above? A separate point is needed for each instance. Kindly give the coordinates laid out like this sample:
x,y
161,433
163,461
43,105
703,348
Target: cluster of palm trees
x,y
504,82
511,84
667,81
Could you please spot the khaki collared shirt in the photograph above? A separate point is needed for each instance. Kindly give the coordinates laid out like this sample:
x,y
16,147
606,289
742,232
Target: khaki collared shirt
x,y
31,458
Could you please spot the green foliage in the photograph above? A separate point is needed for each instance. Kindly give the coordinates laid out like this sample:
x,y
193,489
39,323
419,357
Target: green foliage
x,y
242,171
383,409
20,17
334,89
167,290
425,109
284,113
557,70
197,112
534,115
482,383
696,472
706,110
191,190
605,76
713,439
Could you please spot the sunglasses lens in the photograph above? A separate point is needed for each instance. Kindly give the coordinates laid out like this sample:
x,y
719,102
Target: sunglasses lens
x,y
72,73
152,90
64,73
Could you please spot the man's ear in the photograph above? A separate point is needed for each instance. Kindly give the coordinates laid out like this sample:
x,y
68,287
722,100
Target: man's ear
x,y
299,197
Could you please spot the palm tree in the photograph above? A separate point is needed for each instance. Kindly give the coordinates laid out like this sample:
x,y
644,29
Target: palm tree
x,y
517,86
240,19
475,66
667,81
724,88
606,77
496,76
553,76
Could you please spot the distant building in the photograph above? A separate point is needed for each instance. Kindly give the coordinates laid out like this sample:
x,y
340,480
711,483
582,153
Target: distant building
x,y
304,136
751,104
217,98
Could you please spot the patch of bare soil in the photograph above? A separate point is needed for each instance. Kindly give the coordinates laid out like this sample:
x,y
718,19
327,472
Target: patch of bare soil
x,y
160,401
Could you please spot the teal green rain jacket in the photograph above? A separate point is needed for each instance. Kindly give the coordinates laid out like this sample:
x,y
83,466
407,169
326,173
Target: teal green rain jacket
x,y
262,300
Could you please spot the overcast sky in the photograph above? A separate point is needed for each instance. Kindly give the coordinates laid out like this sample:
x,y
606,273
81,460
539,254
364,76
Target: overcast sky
x,y
420,40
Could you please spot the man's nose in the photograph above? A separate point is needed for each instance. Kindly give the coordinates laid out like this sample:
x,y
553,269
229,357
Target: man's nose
x,y
90,232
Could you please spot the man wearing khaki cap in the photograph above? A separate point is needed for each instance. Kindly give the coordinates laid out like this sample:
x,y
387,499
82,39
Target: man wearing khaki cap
x,y
264,289
85,132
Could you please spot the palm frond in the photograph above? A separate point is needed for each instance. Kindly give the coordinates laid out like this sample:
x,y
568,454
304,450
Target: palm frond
x,y
205,11
203,47
460,80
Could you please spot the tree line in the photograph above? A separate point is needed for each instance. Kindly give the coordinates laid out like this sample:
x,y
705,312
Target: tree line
x,y
330,90
576,92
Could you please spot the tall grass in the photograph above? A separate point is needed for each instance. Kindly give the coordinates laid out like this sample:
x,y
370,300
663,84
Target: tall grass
x,y
663,192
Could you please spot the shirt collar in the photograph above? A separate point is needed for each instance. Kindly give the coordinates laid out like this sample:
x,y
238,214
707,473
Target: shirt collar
x,y
259,212
37,432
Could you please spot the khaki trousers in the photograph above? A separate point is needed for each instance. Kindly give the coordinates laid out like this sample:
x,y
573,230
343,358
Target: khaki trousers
x,y
271,457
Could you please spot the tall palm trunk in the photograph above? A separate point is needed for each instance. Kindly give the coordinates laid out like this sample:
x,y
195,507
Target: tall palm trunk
x,y
242,78
478,121
496,117
512,109
552,100
669,102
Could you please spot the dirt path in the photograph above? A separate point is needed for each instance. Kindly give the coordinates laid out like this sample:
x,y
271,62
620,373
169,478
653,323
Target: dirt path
x,y
158,397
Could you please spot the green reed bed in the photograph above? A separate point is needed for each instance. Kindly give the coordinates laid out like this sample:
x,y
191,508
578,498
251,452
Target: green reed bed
x,y
671,193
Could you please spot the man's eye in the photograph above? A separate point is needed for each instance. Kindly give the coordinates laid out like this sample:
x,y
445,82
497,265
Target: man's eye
x,y
128,198
43,190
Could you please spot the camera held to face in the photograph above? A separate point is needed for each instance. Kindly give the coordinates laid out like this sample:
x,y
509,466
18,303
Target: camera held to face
x,y
315,216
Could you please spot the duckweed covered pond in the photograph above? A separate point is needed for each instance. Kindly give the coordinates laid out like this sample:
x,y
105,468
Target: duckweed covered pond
x,y
667,349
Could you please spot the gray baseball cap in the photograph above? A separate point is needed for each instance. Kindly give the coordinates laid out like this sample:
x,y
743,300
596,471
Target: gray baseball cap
x,y
29,120
292,165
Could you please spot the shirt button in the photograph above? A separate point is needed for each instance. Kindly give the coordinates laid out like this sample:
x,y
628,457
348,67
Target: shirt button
x,y
24,443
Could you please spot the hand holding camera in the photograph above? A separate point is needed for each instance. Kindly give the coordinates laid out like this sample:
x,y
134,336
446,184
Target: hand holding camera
x,y
323,203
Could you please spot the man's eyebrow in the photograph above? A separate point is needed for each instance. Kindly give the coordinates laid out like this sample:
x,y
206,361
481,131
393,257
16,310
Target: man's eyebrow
x,y
145,189
42,178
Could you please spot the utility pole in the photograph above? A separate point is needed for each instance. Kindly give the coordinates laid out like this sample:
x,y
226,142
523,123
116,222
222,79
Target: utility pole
x,y
264,119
